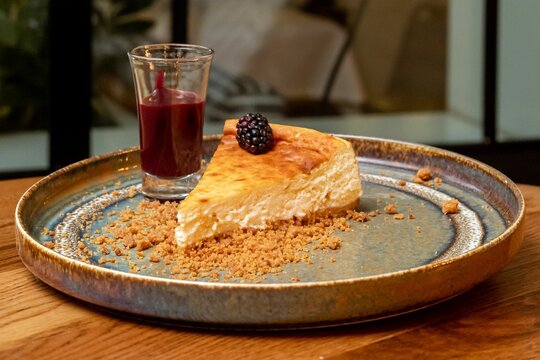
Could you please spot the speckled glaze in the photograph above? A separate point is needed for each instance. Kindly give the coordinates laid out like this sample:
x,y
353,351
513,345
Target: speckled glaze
x,y
381,270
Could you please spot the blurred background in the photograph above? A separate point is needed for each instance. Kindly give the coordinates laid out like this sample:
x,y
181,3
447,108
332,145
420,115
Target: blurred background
x,y
458,74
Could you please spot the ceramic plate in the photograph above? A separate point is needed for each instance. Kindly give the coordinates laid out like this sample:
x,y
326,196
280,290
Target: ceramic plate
x,y
383,268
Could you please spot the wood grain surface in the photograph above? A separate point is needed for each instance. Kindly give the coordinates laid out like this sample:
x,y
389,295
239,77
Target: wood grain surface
x,y
498,319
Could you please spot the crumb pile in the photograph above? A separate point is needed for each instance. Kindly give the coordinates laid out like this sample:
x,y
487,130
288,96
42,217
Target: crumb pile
x,y
247,254
251,253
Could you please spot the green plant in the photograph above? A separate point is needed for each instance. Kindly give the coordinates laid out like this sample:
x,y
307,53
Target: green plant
x,y
24,64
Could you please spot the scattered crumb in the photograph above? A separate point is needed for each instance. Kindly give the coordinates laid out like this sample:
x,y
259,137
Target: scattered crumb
x,y
359,216
132,192
143,244
154,258
424,174
104,260
402,183
411,216
104,250
438,181
390,209
334,243
46,232
450,206
399,216
49,244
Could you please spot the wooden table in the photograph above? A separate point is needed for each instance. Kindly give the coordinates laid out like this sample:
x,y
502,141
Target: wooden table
x,y
498,319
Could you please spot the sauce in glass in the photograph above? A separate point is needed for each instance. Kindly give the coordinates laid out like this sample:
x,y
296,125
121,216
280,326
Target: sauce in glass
x,y
171,125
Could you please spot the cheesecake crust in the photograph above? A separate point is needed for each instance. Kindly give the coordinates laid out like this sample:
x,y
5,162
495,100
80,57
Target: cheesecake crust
x,y
232,169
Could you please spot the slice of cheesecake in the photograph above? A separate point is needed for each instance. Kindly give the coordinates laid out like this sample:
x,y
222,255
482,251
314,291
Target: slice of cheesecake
x,y
305,173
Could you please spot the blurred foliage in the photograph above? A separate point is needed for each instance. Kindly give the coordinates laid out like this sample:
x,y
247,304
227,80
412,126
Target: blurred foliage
x,y
118,26
24,64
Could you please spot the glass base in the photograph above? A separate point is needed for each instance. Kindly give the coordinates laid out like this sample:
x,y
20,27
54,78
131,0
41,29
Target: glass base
x,y
159,188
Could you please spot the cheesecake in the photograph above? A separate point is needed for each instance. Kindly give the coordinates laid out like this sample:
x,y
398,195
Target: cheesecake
x,y
305,173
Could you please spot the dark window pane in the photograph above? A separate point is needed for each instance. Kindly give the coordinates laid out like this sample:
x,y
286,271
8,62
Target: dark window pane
x,y
24,85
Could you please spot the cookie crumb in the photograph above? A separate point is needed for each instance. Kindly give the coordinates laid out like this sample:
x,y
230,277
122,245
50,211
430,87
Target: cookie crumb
x,y
104,250
132,192
47,232
390,209
153,258
334,243
147,232
399,216
359,216
402,183
450,206
104,260
424,174
49,244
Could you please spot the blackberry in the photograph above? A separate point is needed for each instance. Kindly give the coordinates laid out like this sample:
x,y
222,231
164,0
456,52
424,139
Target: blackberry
x,y
254,134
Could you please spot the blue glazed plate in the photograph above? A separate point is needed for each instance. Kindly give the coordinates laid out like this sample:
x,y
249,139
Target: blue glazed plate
x,y
383,268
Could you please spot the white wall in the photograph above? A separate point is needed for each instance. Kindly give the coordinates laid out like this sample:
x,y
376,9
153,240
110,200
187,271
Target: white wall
x,y
519,70
465,59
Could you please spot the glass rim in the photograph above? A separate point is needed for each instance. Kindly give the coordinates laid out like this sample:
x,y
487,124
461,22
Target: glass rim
x,y
142,52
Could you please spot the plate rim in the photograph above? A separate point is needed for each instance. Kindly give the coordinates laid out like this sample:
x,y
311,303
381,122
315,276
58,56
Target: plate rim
x,y
509,229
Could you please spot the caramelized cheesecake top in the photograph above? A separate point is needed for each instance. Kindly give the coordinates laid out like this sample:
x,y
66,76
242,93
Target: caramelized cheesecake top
x,y
296,151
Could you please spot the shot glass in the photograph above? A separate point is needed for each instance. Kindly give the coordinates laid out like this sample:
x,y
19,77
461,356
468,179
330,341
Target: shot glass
x,y
170,87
